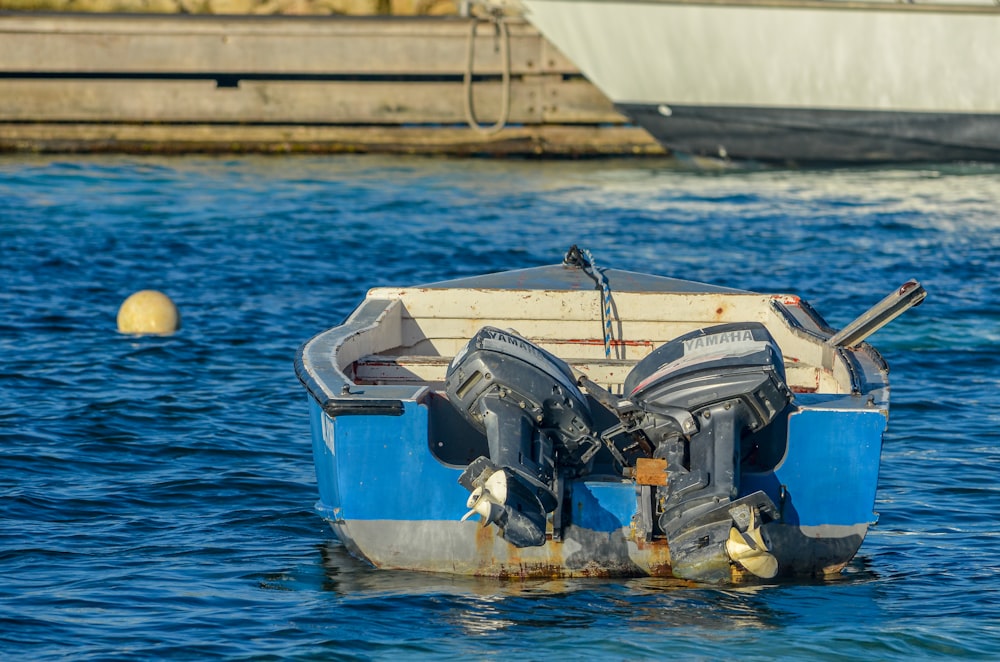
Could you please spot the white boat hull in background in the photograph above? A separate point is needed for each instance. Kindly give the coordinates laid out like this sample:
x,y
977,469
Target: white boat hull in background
x,y
793,81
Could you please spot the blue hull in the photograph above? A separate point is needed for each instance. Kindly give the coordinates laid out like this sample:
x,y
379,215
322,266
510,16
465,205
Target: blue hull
x,y
394,504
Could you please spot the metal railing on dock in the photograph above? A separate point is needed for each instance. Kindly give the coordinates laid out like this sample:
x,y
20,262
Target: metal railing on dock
x,y
145,83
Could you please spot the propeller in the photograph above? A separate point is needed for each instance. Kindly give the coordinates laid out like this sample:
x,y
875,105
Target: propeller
x,y
749,550
487,500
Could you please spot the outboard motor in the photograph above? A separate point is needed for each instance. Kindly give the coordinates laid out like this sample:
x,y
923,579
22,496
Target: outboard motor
x,y
731,380
537,424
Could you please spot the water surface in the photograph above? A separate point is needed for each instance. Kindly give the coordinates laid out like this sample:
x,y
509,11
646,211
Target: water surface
x,y
156,493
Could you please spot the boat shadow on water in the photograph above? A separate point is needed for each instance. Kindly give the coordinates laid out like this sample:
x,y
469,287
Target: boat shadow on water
x,y
481,606
344,574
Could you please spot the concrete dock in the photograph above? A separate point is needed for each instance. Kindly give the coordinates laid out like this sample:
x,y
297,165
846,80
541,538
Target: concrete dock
x,y
322,84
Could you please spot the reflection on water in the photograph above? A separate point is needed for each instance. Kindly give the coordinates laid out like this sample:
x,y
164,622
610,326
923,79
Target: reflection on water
x,y
478,606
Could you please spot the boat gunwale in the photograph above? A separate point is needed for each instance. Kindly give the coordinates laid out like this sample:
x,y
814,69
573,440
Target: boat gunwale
x,y
338,393
317,369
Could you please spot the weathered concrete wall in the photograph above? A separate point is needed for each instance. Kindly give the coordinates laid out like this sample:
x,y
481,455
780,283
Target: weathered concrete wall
x,y
258,7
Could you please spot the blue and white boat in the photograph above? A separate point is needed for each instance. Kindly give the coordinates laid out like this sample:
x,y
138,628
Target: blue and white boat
x,y
567,421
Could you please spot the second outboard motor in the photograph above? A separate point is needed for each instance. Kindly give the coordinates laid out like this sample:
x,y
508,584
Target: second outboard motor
x,y
731,379
537,424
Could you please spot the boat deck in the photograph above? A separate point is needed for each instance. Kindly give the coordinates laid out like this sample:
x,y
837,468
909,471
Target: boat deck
x,y
382,369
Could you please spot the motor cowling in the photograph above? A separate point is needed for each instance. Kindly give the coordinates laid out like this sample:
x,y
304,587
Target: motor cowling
x,y
731,379
537,424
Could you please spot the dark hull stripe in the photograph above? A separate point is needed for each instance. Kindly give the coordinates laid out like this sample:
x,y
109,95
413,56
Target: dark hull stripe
x,y
820,136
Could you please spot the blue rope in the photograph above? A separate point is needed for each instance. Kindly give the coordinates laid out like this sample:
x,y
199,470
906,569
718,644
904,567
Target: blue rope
x,y
591,268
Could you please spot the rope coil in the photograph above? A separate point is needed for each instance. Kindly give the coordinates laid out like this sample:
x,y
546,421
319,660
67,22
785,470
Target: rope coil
x,y
502,32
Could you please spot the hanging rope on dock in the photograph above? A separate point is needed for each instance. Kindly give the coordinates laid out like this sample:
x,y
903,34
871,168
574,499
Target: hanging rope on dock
x,y
502,33
584,259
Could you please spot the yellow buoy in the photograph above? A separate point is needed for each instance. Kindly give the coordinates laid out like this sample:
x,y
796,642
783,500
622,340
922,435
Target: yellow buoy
x,y
148,312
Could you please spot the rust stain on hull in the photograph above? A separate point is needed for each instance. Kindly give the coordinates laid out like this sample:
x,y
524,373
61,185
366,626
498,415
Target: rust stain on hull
x,y
657,557
499,559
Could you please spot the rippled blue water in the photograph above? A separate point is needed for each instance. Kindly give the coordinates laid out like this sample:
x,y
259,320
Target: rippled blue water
x,y
156,493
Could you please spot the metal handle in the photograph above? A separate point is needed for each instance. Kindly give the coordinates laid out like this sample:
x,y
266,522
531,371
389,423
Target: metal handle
x,y
910,294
